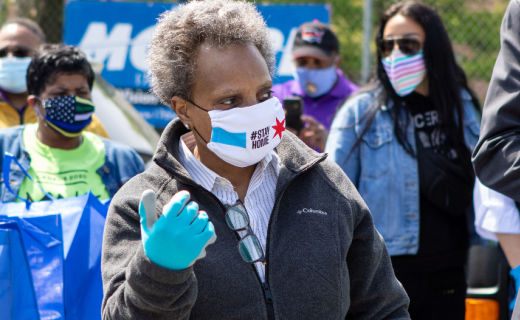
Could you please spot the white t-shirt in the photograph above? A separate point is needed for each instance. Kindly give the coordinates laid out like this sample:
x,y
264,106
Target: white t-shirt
x,y
494,212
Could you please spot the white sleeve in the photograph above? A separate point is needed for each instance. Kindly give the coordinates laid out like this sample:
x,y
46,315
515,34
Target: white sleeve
x,y
494,212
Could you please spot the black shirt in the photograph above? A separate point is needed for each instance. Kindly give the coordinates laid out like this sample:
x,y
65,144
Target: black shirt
x,y
446,188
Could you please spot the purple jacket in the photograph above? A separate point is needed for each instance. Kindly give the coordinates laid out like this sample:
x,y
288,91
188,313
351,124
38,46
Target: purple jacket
x,y
324,107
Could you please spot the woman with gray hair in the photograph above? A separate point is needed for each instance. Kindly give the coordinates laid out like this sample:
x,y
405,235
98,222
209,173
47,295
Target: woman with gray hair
x,y
295,240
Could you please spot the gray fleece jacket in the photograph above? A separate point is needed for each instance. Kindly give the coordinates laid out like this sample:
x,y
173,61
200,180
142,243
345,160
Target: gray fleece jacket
x,y
325,259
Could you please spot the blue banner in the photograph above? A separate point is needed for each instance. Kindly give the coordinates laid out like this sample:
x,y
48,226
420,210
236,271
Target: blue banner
x,y
115,36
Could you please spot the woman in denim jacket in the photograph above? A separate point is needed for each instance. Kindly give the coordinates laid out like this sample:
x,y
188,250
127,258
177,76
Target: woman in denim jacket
x,y
405,142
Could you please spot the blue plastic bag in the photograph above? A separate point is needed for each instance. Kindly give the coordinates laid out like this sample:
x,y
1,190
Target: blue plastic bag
x,y
83,220
31,258
82,273
82,223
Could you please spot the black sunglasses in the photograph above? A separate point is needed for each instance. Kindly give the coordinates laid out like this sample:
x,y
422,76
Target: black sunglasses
x,y
249,246
408,46
17,52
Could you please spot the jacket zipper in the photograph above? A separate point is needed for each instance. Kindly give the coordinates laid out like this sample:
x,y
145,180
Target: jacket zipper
x,y
268,298
265,285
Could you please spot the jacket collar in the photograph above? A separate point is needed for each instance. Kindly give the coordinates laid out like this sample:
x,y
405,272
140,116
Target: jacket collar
x,y
295,156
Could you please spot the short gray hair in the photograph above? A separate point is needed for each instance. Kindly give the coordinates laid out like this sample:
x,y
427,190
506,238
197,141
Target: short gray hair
x,y
180,32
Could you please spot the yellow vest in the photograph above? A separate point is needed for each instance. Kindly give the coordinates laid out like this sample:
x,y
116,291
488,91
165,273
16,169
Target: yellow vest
x,y
9,117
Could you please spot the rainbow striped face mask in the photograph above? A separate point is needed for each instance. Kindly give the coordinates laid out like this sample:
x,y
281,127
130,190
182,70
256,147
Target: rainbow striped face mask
x,y
404,72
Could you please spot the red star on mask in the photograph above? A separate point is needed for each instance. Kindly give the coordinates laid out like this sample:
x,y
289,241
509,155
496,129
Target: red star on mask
x,y
280,127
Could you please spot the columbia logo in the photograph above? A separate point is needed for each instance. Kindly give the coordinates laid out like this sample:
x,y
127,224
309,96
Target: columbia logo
x,y
311,211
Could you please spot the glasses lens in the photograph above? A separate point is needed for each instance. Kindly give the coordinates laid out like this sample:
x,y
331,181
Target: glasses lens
x,y
17,52
409,46
387,45
21,53
250,249
236,217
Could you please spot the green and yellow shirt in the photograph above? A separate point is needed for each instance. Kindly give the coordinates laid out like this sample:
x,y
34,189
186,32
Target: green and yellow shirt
x,y
63,173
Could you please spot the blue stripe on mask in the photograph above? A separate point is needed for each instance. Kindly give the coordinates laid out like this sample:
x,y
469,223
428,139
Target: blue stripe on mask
x,y
220,135
70,127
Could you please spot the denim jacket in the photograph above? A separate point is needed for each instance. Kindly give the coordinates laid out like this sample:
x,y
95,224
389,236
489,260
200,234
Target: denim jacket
x,y
386,176
121,163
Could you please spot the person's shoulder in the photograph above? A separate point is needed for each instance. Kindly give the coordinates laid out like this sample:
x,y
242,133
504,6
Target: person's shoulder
x,y
358,103
468,103
347,83
116,145
118,150
338,181
11,132
465,95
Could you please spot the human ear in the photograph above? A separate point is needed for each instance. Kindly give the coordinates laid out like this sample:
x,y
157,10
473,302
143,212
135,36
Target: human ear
x,y
337,61
35,103
179,106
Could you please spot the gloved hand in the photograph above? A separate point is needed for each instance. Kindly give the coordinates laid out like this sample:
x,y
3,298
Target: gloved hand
x,y
515,274
179,237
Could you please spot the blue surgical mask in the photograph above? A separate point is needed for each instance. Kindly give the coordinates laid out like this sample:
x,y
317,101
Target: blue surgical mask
x,y
13,72
316,82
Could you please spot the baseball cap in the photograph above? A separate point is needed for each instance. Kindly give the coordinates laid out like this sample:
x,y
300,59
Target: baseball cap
x,y
315,39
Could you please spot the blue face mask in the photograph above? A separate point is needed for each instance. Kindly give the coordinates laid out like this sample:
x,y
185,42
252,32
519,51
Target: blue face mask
x,y
316,82
12,74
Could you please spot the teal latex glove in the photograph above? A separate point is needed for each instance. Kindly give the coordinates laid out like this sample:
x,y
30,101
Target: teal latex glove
x,y
179,237
515,274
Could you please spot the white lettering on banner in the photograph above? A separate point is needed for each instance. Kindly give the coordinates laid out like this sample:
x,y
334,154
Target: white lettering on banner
x,y
286,67
111,49
140,49
100,46
277,39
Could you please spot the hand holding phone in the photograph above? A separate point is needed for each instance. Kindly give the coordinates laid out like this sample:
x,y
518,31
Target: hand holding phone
x,y
293,115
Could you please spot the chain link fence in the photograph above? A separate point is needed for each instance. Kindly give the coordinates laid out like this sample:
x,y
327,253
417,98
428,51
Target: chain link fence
x,y
473,26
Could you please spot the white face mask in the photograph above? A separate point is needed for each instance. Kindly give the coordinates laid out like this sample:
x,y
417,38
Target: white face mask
x,y
244,136
12,74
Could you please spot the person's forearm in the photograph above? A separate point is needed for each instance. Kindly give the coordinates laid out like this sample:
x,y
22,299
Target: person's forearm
x,y
510,243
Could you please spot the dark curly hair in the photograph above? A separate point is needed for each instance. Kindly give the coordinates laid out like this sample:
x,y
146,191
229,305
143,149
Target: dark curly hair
x,y
51,60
